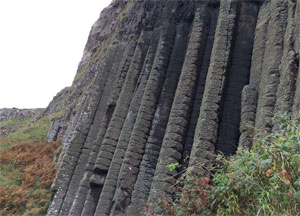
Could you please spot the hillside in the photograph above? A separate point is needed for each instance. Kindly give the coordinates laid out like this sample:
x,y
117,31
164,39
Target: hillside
x,y
27,161
13,119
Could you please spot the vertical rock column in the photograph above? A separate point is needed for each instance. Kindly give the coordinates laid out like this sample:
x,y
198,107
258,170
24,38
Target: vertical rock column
x,y
249,93
74,149
86,194
111,137
200,89
113,55
270,69
289,66
174,138
208,122
133,156
296,106
152,148
236,78
109,187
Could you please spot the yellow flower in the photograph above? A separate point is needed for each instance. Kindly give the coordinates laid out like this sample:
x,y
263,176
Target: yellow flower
x,y
268,173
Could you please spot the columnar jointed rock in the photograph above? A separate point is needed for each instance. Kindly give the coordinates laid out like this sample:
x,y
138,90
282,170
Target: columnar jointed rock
x,y
200,89
166,82
174,138
138,139
271,63
109,187
296,106
237,76
76,149
109,143
207,127
86,196
250,91
289,65
114,55
159,123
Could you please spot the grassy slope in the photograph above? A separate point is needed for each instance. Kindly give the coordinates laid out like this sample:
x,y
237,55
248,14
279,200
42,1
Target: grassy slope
x,y
12,125
27,167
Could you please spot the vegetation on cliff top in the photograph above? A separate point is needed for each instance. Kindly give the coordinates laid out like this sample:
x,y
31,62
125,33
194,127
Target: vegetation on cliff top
x,y
262,181
27,168
12,125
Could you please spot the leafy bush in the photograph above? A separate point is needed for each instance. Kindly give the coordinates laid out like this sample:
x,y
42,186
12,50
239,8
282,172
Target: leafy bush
x,y
264,180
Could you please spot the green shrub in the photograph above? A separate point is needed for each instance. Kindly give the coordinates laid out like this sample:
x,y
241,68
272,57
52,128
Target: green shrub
x,y
264,180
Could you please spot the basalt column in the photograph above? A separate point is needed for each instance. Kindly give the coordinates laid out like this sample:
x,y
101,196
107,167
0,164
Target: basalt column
x,y
288,70
81,132
115,55
174,138
200,89
296,106
108,191
159,123
134,152
107,103
171,82
110,139
237,76
207,127
250,91
271,63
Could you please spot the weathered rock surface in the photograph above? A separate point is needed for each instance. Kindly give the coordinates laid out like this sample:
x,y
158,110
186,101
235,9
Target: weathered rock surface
x,y
18,114
165,82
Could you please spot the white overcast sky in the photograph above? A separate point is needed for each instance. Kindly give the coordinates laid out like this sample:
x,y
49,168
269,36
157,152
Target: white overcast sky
x,y
41,44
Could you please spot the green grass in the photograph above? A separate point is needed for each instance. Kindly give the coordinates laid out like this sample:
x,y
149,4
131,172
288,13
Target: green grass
x,y
27,167
14,124
37,131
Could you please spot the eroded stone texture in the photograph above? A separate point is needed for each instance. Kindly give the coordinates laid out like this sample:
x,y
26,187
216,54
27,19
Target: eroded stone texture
x,y
237,76
135,149
166,82
109,187
200,88
111,93
207,126
110,140
271,63
250,91
176,130
159,123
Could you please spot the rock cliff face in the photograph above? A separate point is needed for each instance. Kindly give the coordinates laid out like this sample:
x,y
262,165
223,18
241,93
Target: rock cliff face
x,y
166,82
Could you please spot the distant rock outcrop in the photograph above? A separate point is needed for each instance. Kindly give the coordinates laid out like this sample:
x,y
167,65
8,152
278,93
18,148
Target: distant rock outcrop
x,y
18,114
166,82
10,118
